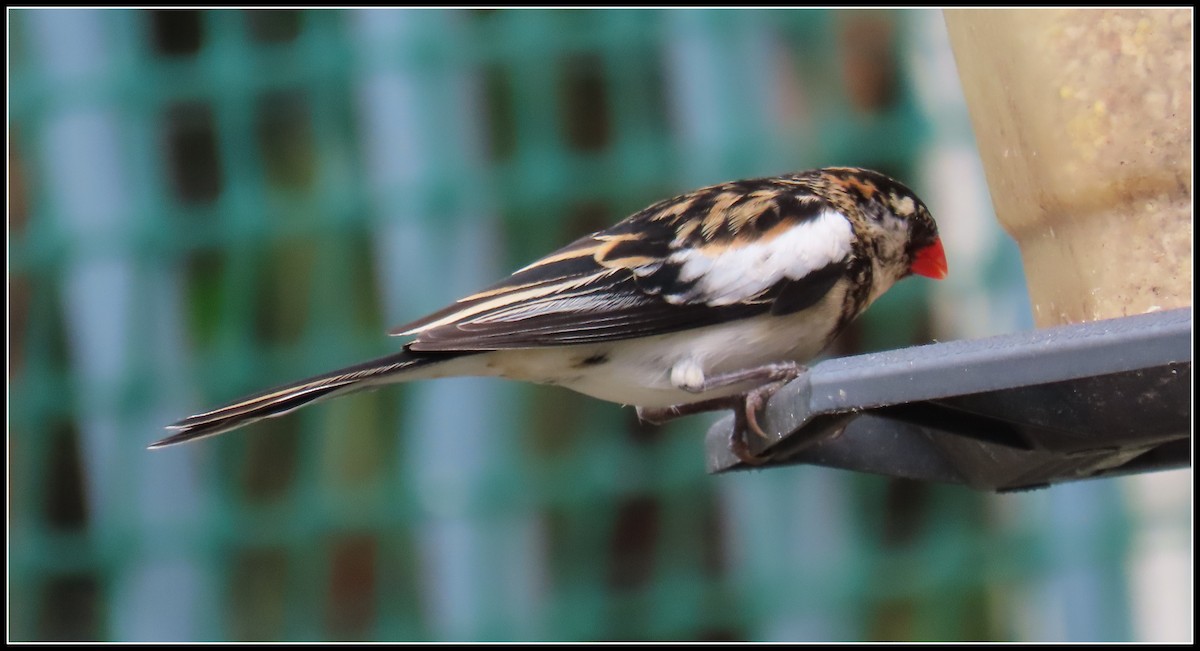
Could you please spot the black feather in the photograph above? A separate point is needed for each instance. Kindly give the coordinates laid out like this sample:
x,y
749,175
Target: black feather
x,y
285,398
795,295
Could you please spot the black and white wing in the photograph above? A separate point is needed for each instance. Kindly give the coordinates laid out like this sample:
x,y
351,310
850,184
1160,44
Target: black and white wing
x,y
725,252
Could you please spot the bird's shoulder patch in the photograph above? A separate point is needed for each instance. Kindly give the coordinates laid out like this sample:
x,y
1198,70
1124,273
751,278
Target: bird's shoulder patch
x,y
777,233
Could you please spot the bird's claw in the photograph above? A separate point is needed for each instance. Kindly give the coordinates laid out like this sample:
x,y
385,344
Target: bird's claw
x,y
745,411
739,439
747,420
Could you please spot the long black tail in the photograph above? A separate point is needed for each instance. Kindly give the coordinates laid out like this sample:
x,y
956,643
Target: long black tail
x,y
283,399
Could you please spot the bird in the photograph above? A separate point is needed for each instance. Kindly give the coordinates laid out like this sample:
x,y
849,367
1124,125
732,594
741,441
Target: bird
x,y
709,300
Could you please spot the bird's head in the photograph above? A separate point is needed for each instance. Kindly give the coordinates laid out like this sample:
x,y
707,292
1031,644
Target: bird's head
x,y
893,222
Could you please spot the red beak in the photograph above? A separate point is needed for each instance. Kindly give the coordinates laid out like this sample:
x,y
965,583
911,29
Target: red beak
x,y
931,261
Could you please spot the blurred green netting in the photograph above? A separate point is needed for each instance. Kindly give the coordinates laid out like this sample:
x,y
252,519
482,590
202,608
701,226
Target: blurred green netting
x,y
205,203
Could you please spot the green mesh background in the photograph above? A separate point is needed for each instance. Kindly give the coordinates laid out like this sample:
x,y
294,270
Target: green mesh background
x,y
206,203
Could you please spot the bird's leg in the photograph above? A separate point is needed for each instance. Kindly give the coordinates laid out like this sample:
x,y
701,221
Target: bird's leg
x,y
780,373
745,406
660,415
772,377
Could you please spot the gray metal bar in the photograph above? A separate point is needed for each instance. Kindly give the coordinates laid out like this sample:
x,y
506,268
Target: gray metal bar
x,y
1032,402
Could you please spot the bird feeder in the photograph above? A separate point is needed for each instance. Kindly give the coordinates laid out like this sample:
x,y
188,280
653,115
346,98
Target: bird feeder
x,y
1083,121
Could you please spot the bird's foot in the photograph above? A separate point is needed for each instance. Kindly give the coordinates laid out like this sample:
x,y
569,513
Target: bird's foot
x,y
745,407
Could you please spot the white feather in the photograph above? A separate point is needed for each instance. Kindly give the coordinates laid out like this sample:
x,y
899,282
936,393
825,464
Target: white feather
x,y
598,303
739,273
